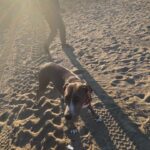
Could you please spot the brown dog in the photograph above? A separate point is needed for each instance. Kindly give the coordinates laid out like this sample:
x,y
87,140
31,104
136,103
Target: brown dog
x,y
76,92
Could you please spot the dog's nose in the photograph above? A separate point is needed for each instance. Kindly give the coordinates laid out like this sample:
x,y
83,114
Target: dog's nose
x,y
68,116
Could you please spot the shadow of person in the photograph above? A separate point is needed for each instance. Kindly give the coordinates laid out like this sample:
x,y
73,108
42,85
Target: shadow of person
x,y
142,142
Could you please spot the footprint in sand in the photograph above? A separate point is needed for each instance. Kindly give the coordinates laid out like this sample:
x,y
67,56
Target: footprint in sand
x,y
115,82
147,98
130,80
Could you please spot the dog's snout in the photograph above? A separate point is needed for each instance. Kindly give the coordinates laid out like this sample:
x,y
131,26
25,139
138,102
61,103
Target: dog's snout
x,y
68,116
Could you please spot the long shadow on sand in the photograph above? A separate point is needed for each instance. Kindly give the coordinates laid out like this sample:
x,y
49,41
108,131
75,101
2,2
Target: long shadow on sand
x,y
122,119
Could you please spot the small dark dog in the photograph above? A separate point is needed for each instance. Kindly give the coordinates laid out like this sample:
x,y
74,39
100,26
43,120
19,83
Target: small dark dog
x,y
76,92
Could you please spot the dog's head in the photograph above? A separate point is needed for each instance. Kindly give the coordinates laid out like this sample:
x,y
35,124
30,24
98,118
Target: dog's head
x,y
77,95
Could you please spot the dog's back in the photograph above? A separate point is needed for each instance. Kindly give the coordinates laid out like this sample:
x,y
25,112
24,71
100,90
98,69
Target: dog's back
x,y
51,72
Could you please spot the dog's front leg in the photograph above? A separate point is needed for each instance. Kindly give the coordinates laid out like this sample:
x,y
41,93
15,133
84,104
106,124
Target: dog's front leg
x,y
71,127
70,121
97,118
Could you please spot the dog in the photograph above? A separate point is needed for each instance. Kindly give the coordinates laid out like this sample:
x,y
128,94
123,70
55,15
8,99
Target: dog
x,y
76,92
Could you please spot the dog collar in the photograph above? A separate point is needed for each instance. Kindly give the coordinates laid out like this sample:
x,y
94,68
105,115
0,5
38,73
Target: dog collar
x,y
87,102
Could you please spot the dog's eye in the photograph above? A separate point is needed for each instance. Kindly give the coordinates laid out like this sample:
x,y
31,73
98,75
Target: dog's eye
x,y
84,90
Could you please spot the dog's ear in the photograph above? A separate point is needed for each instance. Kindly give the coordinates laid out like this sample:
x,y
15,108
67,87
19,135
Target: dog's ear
x,y
64,87
68,93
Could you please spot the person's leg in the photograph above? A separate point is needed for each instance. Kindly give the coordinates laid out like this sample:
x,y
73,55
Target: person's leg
x,y
62,30
51,36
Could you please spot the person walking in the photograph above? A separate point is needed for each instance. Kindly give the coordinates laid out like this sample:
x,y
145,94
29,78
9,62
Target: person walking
x,y
52,13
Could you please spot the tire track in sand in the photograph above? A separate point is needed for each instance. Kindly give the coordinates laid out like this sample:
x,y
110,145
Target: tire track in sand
x,y
32,124
6,71
7,41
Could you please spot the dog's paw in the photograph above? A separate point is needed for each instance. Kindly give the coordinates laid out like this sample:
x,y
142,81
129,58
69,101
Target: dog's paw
x,y
98,119
73,131
70,147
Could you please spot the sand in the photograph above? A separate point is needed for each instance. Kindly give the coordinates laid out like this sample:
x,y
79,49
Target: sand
x,y
109,47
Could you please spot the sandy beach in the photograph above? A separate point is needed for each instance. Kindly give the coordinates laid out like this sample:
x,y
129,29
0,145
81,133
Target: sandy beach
x,y
108,46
